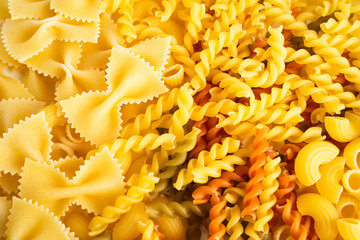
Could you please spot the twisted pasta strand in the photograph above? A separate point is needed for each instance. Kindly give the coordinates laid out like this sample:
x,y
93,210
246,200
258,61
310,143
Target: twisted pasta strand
x,y
152,113
171,209
123,204
267,197
254,187
205,158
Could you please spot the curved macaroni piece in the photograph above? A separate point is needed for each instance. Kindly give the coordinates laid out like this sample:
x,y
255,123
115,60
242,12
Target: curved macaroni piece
x,y
348,206
329,184
205,158
350,182
123,204
349,228
78,223
310,158
171,209
127,226
343,129
172,228
351,154
267,197
324,214
174,75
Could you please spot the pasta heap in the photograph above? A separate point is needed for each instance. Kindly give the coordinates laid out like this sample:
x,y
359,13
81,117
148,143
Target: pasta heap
x,y
180,119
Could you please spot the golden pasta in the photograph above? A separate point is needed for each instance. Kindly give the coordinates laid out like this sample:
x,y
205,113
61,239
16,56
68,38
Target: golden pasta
x,y
179,119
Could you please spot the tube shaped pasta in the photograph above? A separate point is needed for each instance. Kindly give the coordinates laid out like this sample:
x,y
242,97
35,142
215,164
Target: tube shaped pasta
x,y
351,154
351,182
349,228
343,129
331,174
310,158
173,228
323,212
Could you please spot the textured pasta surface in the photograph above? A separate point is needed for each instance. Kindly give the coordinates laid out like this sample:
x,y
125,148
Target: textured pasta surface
x,y
180,119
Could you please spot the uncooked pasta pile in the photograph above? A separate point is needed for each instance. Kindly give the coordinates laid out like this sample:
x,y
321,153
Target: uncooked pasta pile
x,y
180,119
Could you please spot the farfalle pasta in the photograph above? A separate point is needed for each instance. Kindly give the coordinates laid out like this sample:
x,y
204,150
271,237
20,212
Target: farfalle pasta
x,y
179,119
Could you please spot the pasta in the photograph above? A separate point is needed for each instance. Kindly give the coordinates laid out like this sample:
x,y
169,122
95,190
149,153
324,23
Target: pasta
x,y
325,215
179,119
310,158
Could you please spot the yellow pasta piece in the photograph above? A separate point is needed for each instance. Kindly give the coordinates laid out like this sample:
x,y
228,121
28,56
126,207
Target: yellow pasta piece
x,y
351,182
173,228
91,188
310,158
351,154
348,206
323,212
127,226
87,110
343,129
349,228
329,183
14,110
29,139
81,10
35,221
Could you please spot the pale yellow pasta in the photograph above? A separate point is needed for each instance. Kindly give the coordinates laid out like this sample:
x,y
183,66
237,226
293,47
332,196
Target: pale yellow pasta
x,y
329,184
343,129
323,213
310,158
351,154
35,221
349,228
4,209
351,182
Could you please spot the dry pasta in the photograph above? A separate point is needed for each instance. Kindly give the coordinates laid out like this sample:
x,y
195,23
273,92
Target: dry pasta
x,y
179,119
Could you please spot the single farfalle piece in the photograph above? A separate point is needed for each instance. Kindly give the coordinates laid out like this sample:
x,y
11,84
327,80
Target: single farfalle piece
x,y
96,115
28,220
26,38
28,139
90,188
63,65
80,10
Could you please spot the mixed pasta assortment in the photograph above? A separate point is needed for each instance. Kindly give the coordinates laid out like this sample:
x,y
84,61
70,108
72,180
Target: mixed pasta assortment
x,y
180,119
